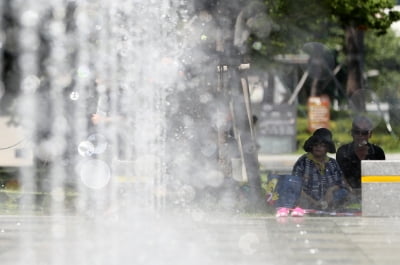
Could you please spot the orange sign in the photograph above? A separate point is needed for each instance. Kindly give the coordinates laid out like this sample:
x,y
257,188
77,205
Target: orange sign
x,y
318,112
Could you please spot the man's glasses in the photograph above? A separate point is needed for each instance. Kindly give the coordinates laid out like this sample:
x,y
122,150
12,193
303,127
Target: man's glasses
x,y
360,132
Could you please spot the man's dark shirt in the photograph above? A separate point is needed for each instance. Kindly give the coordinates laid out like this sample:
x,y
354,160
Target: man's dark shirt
x,y
351,164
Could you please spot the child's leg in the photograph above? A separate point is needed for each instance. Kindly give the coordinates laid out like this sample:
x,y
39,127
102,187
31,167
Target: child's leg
x,y
289,190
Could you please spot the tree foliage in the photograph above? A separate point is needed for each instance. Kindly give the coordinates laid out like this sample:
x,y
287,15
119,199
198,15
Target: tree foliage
x,y
339,24
385,63
319,20
364,14
355,17
296,25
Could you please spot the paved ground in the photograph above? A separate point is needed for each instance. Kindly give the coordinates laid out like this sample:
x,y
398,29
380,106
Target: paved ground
x,y
198,238
195,237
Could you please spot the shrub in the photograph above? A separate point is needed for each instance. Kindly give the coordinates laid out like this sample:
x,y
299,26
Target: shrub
x,y
340,127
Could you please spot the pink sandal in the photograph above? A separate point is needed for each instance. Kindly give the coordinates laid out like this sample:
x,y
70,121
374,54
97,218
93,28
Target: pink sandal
x,y
298,212
282,212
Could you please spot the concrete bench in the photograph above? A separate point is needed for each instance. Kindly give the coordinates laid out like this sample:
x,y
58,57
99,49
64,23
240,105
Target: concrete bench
x,y
380,187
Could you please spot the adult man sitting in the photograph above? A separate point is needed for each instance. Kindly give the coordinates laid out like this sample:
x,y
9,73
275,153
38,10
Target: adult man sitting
x,y
349,156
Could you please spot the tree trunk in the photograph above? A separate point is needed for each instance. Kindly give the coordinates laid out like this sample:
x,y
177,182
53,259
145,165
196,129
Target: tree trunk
x,y
354,47
314,88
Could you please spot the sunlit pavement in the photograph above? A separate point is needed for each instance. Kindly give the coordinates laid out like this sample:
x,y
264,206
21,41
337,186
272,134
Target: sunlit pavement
x,y
198,238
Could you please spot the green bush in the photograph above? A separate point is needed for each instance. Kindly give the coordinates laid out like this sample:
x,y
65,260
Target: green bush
x,y
340,126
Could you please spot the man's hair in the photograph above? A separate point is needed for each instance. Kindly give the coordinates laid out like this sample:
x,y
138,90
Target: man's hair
x,y
362,122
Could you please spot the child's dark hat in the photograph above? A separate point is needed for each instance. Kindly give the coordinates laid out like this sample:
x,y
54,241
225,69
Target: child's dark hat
x,y
320,135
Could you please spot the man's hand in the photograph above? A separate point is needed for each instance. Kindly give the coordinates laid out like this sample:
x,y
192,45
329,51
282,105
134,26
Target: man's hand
x,y
361,151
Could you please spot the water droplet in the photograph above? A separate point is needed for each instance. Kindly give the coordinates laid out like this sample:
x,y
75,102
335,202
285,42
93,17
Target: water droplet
x,y
257,45
187,193
247,242
205,98
203,37
95,173
99,143
86,149
208,148
74,95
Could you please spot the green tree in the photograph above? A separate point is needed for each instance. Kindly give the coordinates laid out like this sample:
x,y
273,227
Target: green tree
x,y
355,17
383,64
295,24
341,23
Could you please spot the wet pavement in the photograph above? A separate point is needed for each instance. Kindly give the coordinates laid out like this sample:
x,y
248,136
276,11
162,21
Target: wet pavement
x,y
198,238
